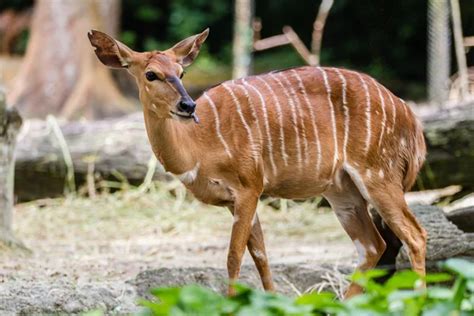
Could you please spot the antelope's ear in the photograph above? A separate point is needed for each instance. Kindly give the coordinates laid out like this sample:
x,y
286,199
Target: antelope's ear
x,y
188,49
110,52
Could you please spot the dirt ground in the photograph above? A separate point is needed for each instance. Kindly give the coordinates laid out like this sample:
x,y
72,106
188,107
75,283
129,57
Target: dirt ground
x,y
104,253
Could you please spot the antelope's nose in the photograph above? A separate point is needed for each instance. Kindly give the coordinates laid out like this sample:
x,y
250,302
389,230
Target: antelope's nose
x,y
187,106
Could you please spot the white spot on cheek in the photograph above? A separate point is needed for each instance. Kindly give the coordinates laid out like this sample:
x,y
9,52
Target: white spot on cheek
x,y
153,105
384,151
147,90
360,251
189,176
403,142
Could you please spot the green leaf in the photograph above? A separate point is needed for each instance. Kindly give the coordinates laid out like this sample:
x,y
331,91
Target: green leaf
x,y
460,266
402,280
438,277
440,309
459,290
439,293
167,295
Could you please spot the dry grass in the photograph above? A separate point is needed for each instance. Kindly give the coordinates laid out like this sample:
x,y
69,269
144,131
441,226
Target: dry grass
x,y
114,236
165,210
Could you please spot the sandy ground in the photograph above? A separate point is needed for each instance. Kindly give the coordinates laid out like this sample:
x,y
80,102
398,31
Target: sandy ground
x,y
105,252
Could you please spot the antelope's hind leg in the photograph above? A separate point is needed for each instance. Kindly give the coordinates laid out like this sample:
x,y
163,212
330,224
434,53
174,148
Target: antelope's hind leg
x,y
351,210
389,200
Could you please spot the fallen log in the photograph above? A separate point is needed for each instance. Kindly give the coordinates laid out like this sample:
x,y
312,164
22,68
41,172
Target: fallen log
x,y
119,149
450,138
114,149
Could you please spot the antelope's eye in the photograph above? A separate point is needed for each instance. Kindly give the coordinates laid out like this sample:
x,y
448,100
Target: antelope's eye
x,y
151,76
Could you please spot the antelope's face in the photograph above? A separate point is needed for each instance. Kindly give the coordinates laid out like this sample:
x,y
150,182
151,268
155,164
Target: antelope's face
x,y
157,73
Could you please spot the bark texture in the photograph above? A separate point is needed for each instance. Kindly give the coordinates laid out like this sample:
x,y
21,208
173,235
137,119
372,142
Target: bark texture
x,y
60,74
115,148
10,123
450,138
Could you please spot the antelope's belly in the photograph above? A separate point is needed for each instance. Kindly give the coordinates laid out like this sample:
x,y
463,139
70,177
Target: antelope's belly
x,y
294,186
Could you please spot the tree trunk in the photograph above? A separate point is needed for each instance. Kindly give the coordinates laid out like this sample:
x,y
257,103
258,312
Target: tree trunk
x,y
60,74
10,123
242,45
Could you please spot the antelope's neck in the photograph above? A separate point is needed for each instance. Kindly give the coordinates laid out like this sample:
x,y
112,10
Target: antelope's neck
x,y
171,142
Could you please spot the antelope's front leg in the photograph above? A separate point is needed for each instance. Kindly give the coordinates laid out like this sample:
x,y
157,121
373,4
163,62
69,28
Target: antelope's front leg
x,y
245,206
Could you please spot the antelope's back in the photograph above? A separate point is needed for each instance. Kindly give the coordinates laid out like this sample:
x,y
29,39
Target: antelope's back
x,y
305,124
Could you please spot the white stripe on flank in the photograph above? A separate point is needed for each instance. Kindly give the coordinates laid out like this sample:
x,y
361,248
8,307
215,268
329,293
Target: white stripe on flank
x,y
313,120
267,125
367,113
294,119
253,147
333,118
394,111
218,124
252,107
384,115
284,155
299,114
405,106
346,112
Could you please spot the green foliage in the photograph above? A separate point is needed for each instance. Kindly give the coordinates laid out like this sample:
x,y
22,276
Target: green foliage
x,y
396,297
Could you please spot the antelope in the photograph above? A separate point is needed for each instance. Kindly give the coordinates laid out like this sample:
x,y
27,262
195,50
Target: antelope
x,y
293,134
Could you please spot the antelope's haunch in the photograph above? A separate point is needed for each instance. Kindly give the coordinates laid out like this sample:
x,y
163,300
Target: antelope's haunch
x,y
294,133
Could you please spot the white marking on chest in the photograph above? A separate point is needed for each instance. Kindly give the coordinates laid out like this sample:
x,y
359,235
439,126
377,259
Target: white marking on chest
x,y
367,113
284,155
333,118
188,177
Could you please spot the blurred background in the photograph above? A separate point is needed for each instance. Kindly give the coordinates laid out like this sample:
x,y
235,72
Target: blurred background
x,y
95,212
387,40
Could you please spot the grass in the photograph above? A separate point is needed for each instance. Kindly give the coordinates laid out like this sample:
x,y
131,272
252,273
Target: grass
x,y
165,209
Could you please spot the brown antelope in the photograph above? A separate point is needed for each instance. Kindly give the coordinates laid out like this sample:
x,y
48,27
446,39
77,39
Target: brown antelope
x,y
293,133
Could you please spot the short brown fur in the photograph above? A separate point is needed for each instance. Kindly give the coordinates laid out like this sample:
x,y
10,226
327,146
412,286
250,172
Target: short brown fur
x,y
292,134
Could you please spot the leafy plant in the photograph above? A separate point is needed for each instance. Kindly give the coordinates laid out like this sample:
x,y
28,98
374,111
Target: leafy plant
x,y
397,296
